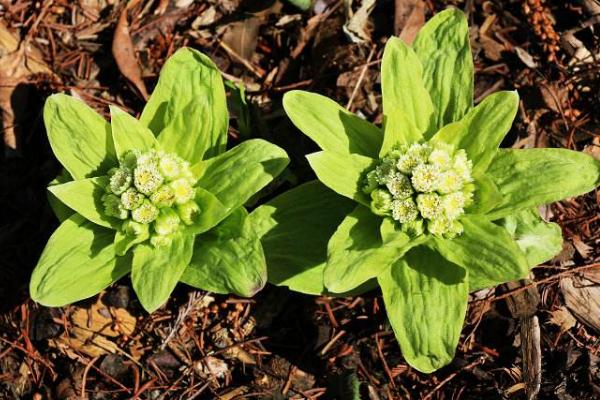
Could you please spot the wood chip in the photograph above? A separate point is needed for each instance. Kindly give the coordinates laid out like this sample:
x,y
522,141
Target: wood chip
x,y
582,296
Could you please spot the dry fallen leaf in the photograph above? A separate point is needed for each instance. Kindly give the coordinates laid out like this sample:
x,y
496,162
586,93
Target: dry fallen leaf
x,y
356,26
582,296
124,54
582,248
562,318
409,18
19,60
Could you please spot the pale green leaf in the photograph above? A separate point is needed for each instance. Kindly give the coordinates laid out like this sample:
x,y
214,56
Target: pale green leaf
x,y
80,138
85,197
124,242
192,133
425,299
189,76
357,253
211,212
486,251
486,195
443,47
481,131
61,211
228,258
155,271
532,177
342,173
539,240
407,107
234,176
78,262
332,127
128,133
294,229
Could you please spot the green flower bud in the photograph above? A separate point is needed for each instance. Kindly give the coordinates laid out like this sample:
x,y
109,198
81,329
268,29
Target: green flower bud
x,y
455,229
425,178
147,178
188,212
429,205
439,226
462,165
167,222
183,190
404,210
161,240
145,213
135,229
385,170
381,202
399,186
163,197
129,159
131,199
371,182
119,180
113,207
413,228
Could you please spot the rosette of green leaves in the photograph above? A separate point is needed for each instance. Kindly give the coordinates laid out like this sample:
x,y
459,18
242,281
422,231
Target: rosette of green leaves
x,y
322,237
186,116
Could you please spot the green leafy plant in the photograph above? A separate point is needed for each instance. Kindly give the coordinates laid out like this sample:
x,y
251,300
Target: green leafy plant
x,y
427,208
159,197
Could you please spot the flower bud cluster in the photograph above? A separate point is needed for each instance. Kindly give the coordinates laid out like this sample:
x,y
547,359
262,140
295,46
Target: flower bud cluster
x,y
424,187
153,192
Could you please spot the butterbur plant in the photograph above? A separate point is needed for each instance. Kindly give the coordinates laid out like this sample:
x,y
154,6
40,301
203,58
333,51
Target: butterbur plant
x,y
159,197
428,207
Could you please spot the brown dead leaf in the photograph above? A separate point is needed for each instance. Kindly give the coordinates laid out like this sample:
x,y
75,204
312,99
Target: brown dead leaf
x,y
582,296
582,248
357,25
409,17
242,36
124,54
562,318
593,149
91,330
491,47
18,62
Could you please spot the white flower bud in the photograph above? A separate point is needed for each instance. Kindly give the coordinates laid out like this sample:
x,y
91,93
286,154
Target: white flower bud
x,y
164,196
399,186
449,181
182,190
169,166
462,165
404,210
145,213
453,205
425,178
120,180
440,158
438,226
131,199
429,205
147,178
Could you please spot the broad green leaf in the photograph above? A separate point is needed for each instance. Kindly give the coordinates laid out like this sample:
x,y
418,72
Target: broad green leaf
x,y
425,299
407,107
533,177
481,131
342,173
332,127
80,138
61,211
85,197
486,195
294,229
211,212
128,133
356,252
228,259
539,240
155,271
234,176
486,251
78,262
193,133
443,47
124,242
189,76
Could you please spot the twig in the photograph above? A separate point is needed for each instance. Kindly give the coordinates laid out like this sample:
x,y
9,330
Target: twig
x,y
361,77
480,360
85,374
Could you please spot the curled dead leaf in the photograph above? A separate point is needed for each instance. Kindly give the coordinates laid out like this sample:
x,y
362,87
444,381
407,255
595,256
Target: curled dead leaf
x,y
124,54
